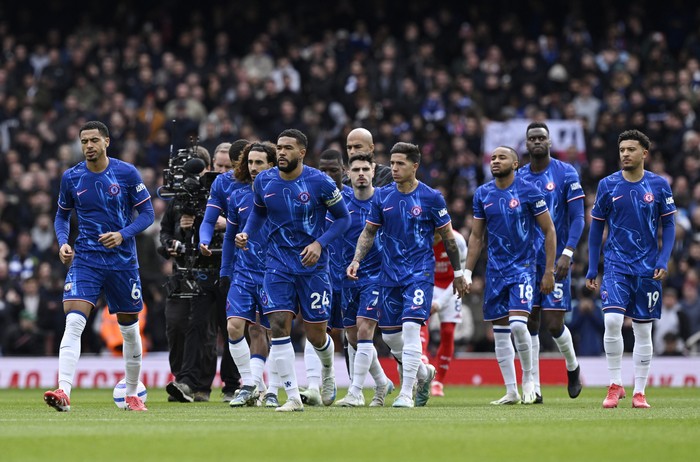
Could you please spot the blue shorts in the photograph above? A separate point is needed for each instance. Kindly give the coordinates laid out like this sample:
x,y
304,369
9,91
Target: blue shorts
x,y
362,302
245,301
559,299
308,294
505,294
410,302
336,318
634,296
122,289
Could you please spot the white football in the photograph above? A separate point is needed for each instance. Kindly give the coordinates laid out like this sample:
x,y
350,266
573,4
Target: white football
x,y
119,393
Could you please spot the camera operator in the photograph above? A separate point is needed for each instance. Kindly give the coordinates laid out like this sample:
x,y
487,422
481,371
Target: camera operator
x,y
190,307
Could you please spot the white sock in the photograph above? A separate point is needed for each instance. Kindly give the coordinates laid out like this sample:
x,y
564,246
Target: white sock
x,y
566,347
523,342
394,341
274,377
325,355
412,351
351,360
69,353
132,351
313,367
257,366
363,360
505,355
641,354
282,353
535,338
240,352
614,346
376,370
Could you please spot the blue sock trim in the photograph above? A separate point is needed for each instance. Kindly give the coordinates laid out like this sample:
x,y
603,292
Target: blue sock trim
x,y
234,342
512,321
325,347
364,341
77,312
264,359
281,341
391,331
502,330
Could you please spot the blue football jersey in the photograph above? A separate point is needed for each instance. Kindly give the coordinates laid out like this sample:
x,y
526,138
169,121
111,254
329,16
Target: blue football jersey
x,y
221,189
296,213
510,221
337,262
104,202
560,184
633,213
408,223
250,264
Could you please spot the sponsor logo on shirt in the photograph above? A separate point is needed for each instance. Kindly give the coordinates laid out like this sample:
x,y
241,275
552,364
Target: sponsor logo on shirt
x,y
140,187
541,203
575,186
442,213
669,201
648,198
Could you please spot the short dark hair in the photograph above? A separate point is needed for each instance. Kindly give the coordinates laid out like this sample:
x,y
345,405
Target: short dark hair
x,y
234,151
512,151
537,125
332,154
297,135
410,150
95,124
241,171
635,135
365,156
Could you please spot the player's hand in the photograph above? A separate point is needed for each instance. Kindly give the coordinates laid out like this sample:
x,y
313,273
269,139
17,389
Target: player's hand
x,y
65,253
186,221
459,286
547,284
351,271
434,308
592,284
220,224
562,268
111,240
311,254
659,274
204,249
242,241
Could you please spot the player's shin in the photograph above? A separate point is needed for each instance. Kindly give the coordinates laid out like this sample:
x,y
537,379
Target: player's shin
x,y
132,351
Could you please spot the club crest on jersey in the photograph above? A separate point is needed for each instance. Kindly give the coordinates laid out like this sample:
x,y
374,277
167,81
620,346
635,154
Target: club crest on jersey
x,y
416,211
604,295
304,197
113,189
550,186
648,198
513,203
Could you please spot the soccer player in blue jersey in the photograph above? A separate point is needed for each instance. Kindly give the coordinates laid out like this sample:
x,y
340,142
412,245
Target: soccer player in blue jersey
x,y
361,296
634,203
246,294
104,192
508,208
409,213
294,199
559,183
330,163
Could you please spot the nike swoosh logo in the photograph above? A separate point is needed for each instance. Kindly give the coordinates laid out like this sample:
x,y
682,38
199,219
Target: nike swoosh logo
x,y
81,192
241,209
488,205
136,356
388,208
616,198
351,211
269,195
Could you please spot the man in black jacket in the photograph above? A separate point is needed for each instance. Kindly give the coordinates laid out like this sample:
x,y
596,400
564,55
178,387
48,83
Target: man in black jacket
x,y
360,141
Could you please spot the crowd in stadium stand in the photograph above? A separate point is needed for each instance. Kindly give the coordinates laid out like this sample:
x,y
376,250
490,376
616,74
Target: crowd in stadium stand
x,y
430,76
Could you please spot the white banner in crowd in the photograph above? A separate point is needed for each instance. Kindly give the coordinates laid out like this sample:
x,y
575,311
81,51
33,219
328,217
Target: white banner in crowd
x,y
105,372
563,133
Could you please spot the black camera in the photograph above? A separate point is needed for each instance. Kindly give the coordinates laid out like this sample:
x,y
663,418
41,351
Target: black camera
x,y
184,183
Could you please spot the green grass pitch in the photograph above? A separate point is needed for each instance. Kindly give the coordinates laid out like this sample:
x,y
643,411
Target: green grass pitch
x,y
460,427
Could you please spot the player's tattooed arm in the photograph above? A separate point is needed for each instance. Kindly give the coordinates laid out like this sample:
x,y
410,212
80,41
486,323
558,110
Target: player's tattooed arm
x,y
364,244
450,246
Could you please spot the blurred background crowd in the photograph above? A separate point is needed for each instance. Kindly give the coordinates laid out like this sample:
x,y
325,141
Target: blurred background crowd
x,y
411,71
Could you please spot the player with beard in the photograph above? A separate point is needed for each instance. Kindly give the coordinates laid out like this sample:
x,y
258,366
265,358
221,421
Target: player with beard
x,y
508,207
559,183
